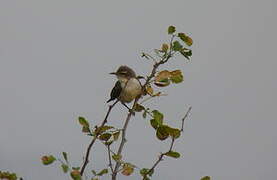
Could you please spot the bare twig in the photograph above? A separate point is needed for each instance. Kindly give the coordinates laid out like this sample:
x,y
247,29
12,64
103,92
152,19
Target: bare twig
x,y
159,159
149,56
183,119
94,139
110,160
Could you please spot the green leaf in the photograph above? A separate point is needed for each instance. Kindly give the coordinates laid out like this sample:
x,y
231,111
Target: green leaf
x,y
95,178
76,168
145,171
154,123
105,136
174,133
116,135
102,129
176,76
83,121
102,172
177,79
93,172
206,178
171,29
138,108
186,39
186,53
162,132
65,168
65,156
116,157
6,175
176,46
172,154
158,116
46,160
85,129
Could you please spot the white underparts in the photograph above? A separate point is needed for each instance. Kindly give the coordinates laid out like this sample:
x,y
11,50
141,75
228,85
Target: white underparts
x,y
130,90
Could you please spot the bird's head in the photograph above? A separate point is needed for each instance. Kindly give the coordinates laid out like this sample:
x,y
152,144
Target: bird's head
x,y
124,73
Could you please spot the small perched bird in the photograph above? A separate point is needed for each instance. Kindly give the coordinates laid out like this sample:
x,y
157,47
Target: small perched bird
x,y
127,88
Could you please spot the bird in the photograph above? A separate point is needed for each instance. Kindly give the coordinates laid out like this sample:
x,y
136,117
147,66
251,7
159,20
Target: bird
x,y
127,87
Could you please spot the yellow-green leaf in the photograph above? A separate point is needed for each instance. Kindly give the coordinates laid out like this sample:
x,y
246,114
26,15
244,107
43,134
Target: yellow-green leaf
x,y
102,129
162,133
116,135
83,122
46,160
102,172
206,178
85,129
158,116
65,156
127,169
185,38
105,136
116,157
174,133
154,123
172,154
65,168
176,76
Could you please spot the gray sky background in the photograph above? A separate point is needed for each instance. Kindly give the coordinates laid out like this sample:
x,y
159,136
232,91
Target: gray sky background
x,y
55,57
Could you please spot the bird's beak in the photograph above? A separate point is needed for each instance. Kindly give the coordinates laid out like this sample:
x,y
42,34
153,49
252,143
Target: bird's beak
x,y
113,73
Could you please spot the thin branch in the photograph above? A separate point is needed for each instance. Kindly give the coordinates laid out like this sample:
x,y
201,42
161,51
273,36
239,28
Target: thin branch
x,y
151,97
159,159
149,56
110,159
94,139
183,119
123,139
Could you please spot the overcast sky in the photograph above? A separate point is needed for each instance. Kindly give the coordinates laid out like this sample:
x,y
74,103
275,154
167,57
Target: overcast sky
x,y
55,57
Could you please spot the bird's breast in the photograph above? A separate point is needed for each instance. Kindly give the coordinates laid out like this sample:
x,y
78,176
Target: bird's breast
x,y
131,89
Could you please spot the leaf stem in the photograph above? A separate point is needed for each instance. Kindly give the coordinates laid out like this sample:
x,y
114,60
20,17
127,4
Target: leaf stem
x,y
185,117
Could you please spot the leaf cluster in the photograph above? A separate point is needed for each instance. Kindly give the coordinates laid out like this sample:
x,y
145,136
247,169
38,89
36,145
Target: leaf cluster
x,y
6,175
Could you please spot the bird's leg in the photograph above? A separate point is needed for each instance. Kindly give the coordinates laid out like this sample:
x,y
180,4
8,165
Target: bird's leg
x,y
130,110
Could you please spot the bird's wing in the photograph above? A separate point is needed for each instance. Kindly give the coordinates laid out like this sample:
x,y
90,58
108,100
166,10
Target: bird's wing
x,y
115,93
